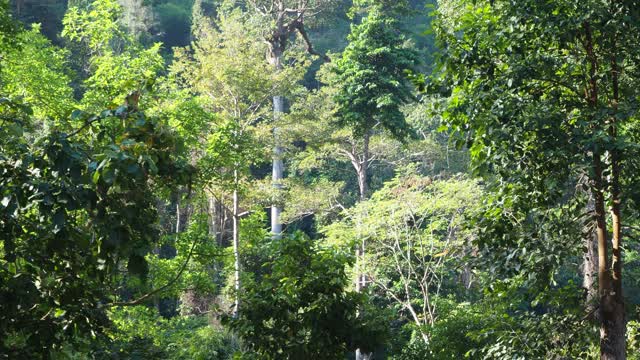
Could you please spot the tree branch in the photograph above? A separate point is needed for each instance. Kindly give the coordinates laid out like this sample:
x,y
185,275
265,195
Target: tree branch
x,y
299,25
160,289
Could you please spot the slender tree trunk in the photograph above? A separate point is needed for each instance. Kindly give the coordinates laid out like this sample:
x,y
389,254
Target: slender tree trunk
x,y
278,167
275,59
613,314
612,325
360,251
363,167
236,247
178,215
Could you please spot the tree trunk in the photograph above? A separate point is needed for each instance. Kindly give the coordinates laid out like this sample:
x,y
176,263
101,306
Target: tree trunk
x,y
363,356
236,247
278,167
178,216
361,170
363,167
275,59
612,325
590,262
590,272
613,328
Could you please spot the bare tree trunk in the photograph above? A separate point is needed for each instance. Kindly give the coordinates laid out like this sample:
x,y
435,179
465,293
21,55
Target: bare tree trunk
x,y
363,356
178,215
275,59
236,247
590,271
612,325
362,169
611,340
278,168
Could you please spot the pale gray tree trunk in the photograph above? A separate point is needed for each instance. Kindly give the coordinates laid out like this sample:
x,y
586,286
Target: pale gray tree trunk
x,y
363,167
278,167
275,59
236,247
363,356
178,216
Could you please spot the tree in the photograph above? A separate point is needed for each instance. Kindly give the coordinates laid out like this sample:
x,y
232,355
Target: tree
x,y
37,72
278,22
228,73
415,232
551,88
297,306
76,211
371,78
372,84
118,65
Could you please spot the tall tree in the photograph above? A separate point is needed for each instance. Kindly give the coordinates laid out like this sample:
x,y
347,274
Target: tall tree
x,y
414,232
279,21
545,93
76,210
228,74
372,85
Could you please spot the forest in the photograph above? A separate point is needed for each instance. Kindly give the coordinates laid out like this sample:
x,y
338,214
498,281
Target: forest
x,y
320,179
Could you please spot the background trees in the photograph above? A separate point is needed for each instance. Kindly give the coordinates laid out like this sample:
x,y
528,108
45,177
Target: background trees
x,y
136,170
549,102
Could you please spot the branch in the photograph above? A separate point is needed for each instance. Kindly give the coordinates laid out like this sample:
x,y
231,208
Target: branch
x,y
160,289
87,123
299,25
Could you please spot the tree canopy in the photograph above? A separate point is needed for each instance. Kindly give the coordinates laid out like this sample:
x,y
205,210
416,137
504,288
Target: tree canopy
x,y
279,179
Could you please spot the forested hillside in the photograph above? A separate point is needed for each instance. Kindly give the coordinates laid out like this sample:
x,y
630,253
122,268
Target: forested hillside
x,y
319,179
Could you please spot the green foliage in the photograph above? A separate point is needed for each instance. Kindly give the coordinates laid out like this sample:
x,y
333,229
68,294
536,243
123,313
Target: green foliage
x,y
118,64
296,305
140,333
454,267
551,325
537,92
195,251
37,71
8,27
415,235
84,206
371,77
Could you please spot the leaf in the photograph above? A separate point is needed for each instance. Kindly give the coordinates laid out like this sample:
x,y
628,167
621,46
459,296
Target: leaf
x,y
77,114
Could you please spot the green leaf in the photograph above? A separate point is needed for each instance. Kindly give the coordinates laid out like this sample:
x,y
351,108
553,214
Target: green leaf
x,y
96,177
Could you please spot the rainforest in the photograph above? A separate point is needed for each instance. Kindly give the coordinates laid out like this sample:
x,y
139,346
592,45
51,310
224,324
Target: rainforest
x,y
320,179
